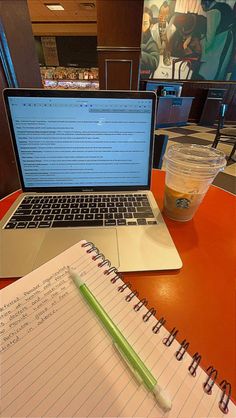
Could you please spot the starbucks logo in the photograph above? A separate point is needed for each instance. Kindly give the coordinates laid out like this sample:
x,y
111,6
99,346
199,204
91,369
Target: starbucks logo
x,y
182,203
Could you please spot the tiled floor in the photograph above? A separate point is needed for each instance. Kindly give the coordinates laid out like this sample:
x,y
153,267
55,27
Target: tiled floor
x,y
194,134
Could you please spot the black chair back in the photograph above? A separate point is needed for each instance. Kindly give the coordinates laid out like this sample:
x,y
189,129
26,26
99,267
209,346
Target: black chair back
x,y
222,112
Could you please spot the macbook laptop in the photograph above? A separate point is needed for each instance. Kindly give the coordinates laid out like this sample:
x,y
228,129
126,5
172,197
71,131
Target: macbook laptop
x,y
84,160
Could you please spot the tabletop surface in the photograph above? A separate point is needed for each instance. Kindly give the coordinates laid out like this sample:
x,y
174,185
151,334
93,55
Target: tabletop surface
x,y
199,299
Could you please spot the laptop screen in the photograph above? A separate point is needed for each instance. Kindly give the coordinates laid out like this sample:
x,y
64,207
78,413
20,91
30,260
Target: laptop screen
x,y
82,140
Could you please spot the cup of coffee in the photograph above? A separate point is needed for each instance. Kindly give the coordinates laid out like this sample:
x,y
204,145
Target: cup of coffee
x,y
190,169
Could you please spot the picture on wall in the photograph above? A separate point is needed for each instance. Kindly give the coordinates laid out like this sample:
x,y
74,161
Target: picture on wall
x,y
189,40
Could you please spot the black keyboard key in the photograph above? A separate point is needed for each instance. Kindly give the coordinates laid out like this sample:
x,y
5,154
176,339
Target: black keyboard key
x,y
85,210
122,210
16,218
58,217
21,225
143,215
46,211
131,223
79,217
38,217
112,210
152,222
109,216
48,217
44,224
10,225
69,217
65,211
118,215
98,216
22,206
56,211
36,212
32,225
72,224
88,216
128,215
144,209
75,211
23,212
121,222
103,210
110,222
141,221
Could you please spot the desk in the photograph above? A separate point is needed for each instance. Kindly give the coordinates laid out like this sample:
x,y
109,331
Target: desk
x,y
199,300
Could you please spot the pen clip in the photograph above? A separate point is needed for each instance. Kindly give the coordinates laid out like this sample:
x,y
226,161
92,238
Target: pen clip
x,y
132,370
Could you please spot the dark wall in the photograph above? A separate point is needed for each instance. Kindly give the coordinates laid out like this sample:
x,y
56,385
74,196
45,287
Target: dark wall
x,y
80,51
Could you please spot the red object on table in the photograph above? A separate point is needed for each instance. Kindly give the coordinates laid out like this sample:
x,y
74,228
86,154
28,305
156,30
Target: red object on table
x,y
199,300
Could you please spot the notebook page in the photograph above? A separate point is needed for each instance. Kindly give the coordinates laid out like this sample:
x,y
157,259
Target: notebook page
x,y
57,360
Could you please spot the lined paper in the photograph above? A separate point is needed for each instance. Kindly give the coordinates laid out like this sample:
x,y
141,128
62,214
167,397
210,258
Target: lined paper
x,y
57,360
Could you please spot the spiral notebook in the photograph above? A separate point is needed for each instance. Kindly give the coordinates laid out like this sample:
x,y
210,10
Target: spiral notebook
x,y
58,361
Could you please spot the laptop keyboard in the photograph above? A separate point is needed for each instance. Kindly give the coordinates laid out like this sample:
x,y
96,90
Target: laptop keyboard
x,y
58,211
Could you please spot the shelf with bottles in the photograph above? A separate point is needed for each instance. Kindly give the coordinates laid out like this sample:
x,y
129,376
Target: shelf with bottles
x,y
69,78
69,84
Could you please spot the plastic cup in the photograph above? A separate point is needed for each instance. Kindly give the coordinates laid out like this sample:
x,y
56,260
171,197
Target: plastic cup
x,y
190,169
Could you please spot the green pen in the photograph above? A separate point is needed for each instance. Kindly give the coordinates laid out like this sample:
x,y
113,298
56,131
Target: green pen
x,y
130,356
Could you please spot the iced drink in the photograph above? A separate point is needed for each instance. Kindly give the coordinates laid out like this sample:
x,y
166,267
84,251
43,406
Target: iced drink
x,y
190,169
181,206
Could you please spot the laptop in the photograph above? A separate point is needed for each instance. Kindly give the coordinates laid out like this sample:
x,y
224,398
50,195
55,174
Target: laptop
x,y
84,160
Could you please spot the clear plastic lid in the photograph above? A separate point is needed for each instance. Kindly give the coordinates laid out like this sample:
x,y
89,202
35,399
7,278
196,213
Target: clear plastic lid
x,y
192,158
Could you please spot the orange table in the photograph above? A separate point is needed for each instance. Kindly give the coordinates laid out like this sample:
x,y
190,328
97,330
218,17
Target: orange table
x,y
199,300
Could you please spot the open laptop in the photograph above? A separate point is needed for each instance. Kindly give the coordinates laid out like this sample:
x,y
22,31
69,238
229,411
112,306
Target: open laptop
x,y
84,160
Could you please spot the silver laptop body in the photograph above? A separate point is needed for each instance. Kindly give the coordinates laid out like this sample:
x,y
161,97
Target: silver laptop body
x,y
87,148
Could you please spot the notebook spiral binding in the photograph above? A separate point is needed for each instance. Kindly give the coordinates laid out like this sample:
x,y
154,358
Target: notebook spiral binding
x,y
167,341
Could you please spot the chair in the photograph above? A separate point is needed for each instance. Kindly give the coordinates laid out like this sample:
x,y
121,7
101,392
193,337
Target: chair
x,y
160,144
190,62
226,135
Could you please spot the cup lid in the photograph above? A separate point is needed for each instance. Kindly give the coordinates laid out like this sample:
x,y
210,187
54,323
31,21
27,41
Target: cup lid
x,y
195,157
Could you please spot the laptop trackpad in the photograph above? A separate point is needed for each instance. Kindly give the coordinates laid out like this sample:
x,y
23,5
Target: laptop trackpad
x,y
56,241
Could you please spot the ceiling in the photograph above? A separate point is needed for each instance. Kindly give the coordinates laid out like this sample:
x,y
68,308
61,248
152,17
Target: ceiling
x,y
79,17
